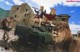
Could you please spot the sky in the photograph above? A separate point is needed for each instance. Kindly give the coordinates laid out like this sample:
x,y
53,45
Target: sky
x,y
61,7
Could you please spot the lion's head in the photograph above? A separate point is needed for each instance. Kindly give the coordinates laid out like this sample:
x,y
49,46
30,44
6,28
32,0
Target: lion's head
x,y
8,23
61,32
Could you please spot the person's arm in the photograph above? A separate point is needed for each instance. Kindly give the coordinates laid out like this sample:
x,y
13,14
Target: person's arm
x,y
44,11
36,11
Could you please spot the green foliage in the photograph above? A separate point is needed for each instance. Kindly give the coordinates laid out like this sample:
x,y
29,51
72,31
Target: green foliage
x,y
46,34
4,13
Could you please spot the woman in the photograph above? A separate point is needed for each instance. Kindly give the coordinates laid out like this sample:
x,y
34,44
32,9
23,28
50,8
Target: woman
x,y
51,16
40,15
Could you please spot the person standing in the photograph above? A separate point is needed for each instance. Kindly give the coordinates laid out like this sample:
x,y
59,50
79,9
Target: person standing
x,y
40,15
51,16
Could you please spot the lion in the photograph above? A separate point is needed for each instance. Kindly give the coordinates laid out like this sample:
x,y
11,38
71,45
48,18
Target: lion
x,y
64,41
7,33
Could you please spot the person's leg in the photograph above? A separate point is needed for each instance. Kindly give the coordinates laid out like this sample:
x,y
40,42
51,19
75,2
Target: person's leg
x,y
40,21
44,19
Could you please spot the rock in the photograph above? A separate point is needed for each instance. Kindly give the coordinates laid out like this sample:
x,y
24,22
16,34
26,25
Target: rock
x,y
23,14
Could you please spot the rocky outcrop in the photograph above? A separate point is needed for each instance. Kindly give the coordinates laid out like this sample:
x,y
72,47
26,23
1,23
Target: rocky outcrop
x,y
23,14
62,17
